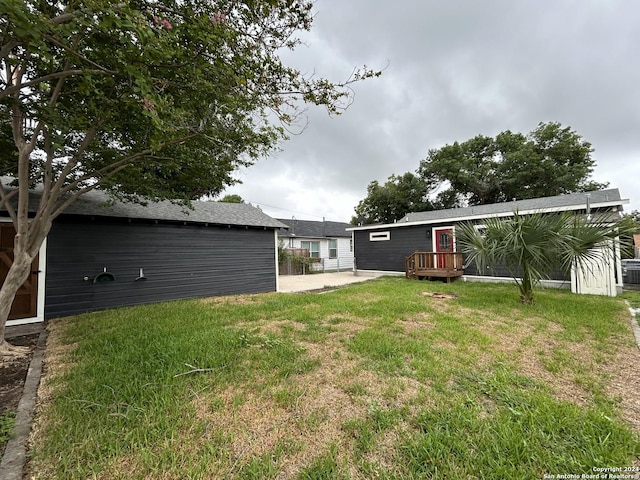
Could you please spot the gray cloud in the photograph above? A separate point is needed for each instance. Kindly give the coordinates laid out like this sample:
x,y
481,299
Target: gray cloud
x,y
455,70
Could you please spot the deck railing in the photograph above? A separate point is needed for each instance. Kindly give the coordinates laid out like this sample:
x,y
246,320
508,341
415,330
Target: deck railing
x,y
431,264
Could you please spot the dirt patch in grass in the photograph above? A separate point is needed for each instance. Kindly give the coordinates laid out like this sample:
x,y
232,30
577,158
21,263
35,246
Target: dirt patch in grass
x,y
255,424
528,350
308,409
347,328
625,379
273,327
13,373
567,367
423,321
368,297
233,300
439,295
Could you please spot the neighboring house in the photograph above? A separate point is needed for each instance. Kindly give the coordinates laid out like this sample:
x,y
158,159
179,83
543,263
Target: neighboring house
x,y
101,255
384,248
636,246
329,242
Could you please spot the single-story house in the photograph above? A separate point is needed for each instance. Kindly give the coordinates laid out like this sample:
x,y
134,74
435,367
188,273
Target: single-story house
x,y
100,255
330,242
390,248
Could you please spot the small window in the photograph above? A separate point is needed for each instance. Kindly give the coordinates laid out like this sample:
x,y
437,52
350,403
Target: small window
x,y
333,248
444,241
313,247
379,236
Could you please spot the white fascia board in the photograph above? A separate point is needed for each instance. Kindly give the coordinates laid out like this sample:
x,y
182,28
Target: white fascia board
x,y
491,215
309,237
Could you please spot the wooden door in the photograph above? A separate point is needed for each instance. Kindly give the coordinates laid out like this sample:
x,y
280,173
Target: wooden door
x,y
444,244
25,305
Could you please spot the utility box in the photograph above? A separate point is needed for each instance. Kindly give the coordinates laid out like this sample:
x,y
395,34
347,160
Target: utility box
x,y
631,271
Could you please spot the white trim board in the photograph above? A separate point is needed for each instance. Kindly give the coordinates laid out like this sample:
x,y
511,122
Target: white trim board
x,y
42,266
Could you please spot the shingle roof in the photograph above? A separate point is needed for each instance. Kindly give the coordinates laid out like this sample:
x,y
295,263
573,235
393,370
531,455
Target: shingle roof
x,y
573,201
313,229
96,203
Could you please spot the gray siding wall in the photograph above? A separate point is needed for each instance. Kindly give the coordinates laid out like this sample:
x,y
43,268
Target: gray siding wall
x,y
178,262
501,271
389,255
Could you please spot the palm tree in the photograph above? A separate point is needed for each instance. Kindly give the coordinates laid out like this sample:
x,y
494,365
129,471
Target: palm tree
x,y
530,247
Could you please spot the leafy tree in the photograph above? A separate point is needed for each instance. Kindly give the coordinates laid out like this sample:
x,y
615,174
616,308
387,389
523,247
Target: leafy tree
x,y
8,153
234,198
550,160
631,224
142,99
387,203
530,247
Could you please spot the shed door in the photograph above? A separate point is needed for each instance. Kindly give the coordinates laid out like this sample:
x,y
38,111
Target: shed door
x,y
444,244
595,276
25,304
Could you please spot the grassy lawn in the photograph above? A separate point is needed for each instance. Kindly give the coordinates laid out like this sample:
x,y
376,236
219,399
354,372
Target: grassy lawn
x,y
633,297
388,379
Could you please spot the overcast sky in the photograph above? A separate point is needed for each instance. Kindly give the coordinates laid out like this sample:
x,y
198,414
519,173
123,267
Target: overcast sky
x,y
454,70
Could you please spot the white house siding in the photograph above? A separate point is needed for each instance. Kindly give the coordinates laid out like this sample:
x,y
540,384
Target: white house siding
x,y
343,262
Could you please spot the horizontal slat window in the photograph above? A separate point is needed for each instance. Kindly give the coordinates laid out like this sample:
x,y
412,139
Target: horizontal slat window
x,y
379,236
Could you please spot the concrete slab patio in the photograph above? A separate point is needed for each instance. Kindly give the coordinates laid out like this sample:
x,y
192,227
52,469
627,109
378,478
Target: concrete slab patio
x,y
318,281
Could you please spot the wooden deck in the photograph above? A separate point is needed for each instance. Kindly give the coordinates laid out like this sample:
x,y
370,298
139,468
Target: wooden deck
x,y
436,265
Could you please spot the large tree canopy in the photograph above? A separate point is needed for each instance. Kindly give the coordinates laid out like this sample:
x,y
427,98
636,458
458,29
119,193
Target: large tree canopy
x,y
550,160
143,99
631,224
386,203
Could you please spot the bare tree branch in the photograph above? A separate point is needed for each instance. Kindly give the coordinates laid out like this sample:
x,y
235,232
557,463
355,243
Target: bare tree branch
x,y
67,73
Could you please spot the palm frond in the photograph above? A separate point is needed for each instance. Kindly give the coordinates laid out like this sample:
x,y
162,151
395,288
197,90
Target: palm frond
x,y
534,246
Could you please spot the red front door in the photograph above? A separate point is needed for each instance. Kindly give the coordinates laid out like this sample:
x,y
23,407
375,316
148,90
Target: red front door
x,y
444,244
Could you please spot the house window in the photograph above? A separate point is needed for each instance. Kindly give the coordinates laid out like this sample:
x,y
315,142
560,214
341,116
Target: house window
x,y
379,236
313,247
333,248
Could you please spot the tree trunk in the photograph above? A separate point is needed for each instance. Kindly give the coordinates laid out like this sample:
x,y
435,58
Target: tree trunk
x,y
16,276
526,288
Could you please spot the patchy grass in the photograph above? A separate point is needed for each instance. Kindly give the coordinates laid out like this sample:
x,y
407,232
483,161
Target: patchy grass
x,y
7,420
633,297
388,379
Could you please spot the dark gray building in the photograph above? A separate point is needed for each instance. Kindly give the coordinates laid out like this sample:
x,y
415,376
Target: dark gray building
x,y
384,248
101,255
